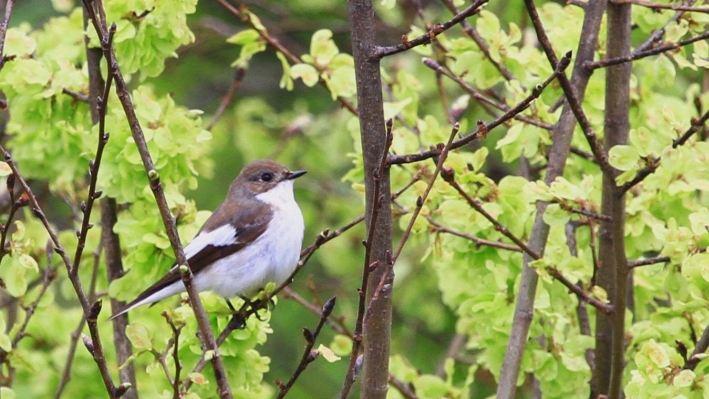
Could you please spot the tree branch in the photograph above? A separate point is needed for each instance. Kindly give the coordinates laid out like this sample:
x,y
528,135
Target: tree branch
x,y
308,354
473,33
100,25
614,274
380,52
226,99
449,176
483,128
557,155
646,53
277,46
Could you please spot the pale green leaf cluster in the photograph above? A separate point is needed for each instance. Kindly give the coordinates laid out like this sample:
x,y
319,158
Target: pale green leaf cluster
x,y
326,62
147,32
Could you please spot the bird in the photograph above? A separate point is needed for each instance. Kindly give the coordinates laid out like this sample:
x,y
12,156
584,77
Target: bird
x,y
254,237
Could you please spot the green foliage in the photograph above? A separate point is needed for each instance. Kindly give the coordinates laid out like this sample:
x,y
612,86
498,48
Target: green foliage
x,y
446,284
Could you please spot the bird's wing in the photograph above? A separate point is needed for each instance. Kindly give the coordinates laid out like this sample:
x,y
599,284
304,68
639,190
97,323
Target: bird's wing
x,y
209,246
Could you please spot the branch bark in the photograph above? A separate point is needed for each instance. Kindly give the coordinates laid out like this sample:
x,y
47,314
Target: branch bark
x,y
613,272
110,243
377,329
558,153
98,19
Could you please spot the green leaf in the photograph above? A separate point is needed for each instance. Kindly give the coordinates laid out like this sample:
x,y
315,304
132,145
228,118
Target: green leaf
x,y
479,158
5,169
328,354
18,43
286,80
7,393
139,335
28,262
623,157
656,352
341,82
341,345
244,37
323,48
430,386
14,276
392,109
307,73
198,378
562,188
555,216
5,343
684,379
663,71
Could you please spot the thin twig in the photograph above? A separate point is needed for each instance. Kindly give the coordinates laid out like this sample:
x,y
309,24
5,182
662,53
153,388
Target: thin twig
x,y
3,30
50,273
226,99
586,212
366,268
336,323
76,334
422,199
660,6
573,100
383,51
483,128
437,227
76,95
648,261
175,343
276,45
484,47
100,25
308,354
646,53
655,37
652,163
88,309
484,100
15,205
449,176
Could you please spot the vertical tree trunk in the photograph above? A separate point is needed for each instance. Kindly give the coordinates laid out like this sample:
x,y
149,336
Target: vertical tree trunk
x,y
377,328
613,270
558,153
109,240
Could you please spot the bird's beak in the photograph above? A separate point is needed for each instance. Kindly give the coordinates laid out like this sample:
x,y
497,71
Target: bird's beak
x,y
296,174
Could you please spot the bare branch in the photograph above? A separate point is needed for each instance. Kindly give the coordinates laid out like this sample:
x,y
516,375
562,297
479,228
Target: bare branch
x,y
437,227
384,51
646,53
3,30
660,6
422,199
97,17
449,176
226,99
277,46
648,261
484,100
483,128
309,355
473,33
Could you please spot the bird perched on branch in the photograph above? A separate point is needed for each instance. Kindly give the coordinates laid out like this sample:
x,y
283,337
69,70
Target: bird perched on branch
x,y
251,239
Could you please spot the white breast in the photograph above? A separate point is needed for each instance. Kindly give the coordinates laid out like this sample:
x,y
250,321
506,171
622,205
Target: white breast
x,y
271,258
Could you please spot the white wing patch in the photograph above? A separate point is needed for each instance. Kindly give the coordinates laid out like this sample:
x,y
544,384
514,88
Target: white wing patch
x,y
223,235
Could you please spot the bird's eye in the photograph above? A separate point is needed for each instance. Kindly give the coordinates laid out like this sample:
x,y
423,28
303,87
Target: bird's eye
x,y
267,176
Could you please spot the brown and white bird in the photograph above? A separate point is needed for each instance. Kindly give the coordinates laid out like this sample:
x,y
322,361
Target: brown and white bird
x,y
253,238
